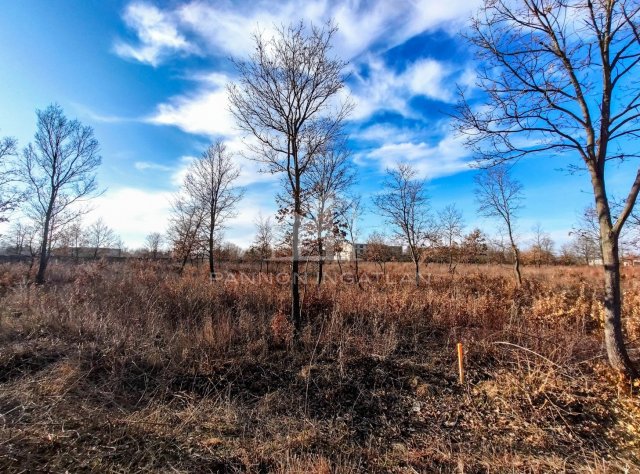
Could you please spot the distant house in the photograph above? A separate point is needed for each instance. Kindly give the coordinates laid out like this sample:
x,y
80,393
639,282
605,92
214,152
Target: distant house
x,y
349,251
631,261
595,261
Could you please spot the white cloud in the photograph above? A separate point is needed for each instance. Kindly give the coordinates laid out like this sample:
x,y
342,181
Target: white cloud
x,y
133,213
385,89
206,112
148,165
446,157
158,35
224,28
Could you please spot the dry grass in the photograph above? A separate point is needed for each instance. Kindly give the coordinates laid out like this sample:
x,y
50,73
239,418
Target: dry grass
x,y
132,367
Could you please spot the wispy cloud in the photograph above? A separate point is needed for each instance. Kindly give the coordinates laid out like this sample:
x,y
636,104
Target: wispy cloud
x,y
223,28
148,165
432,156
384,89
158,36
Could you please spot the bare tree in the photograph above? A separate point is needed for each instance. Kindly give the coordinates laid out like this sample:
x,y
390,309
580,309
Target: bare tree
x,y
326,182
378,250
100,236
405,206
10,194
59,170
15,240
451,226
75,233
561,79
542,247
185,228
153,241
500,196
285,100
586,237
211,181
263,241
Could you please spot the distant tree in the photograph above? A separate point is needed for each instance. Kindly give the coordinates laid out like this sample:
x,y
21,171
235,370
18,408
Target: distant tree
x,y
474,246
263,241
228,252
378,250
567,254
542,246
211,181
100,235
75,235
119,244
185,228
560,78
15,239
500,196
286,99
405,206
59,171
586,237
10,194
153,242
451,225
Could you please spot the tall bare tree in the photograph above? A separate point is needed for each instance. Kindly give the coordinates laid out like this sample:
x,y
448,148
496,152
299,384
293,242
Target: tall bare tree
x,y
405,206
59,169
326,182
286,100
561,79
211,181
185,227
500,196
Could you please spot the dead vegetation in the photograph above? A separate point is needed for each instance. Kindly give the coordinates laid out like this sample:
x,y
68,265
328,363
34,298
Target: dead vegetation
x,y
132,367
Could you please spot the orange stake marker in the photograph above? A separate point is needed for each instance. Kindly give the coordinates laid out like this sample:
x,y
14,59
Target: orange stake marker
x,y
461,362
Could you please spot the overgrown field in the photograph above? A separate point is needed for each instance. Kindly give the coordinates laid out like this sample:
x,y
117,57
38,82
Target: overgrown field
x,y
132,367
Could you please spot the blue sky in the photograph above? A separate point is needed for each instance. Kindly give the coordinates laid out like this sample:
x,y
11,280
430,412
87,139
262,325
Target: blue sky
x,y
150,78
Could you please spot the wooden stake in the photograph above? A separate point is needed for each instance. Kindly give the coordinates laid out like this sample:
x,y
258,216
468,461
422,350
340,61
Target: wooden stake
x,y
461,362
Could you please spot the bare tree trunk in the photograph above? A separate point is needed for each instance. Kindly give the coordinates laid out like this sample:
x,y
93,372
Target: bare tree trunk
x,y
416,261
320,260
613,336
44,254
516,257
295,271
212,270
355,256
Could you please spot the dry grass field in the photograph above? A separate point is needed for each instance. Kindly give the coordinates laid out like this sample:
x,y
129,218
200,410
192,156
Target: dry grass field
x,y
130,367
